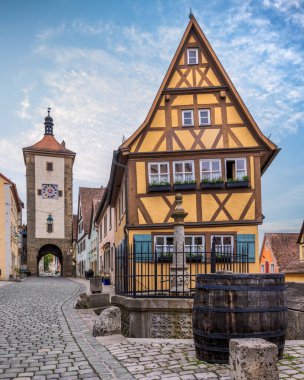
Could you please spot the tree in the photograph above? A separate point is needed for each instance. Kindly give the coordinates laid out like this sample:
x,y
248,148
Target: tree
x,y
48,259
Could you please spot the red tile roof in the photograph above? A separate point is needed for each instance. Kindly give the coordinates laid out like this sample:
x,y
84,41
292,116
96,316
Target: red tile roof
x,y
286,251
86,197
50,144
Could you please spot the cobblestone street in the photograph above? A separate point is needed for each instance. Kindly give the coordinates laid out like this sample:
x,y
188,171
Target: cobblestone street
x,y
38,331
43,337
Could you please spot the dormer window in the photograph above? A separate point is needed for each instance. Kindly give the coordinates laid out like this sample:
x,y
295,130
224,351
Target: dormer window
x,y
204,116
192,56
187,118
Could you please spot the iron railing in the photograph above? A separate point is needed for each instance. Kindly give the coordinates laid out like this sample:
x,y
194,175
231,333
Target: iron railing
x,y
145,273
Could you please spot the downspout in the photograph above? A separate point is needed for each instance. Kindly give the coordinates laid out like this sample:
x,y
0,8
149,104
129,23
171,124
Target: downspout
x,y
127,199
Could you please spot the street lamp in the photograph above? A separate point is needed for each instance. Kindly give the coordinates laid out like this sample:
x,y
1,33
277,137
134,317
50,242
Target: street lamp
x,y
50,222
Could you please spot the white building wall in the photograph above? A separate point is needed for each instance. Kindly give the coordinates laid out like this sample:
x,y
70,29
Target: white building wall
x,y
44,207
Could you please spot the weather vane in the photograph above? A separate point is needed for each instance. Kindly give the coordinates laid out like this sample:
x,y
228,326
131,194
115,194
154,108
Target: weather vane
x,y
49,110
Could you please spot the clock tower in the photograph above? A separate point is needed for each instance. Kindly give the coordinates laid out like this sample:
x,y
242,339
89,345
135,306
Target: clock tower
x,y
49,184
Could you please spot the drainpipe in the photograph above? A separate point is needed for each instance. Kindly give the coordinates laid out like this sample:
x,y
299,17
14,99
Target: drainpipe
x,y
126,196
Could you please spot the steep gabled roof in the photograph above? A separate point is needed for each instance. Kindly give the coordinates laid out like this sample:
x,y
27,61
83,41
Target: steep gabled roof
x,y
19,203
94,208
269,146
285,249
301,234
86,196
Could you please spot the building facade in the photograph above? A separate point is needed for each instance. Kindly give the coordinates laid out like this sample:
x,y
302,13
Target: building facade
x,y
198,139
85,201
10,228
49,181
106,225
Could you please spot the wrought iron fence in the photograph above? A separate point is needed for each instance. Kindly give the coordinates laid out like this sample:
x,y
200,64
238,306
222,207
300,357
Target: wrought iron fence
x,y
143,272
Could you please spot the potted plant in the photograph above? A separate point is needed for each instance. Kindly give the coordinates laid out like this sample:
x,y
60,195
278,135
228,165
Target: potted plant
x,y
164,257
159,186
241,182
184,185
217,183
107,279
194,257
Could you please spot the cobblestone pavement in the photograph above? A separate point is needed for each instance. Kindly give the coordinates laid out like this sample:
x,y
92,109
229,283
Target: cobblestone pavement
x,y
42,337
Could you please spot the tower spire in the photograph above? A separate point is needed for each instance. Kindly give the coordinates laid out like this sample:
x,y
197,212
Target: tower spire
x,y
48,123
190,13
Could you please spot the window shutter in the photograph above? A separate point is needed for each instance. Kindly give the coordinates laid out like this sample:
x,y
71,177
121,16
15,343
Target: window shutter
x,y
246,245
142,247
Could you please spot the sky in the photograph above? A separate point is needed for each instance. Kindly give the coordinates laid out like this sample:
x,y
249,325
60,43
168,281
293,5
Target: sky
x,y
98,64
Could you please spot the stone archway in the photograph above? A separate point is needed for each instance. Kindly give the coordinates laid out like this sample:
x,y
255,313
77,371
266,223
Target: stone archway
x,y
53,250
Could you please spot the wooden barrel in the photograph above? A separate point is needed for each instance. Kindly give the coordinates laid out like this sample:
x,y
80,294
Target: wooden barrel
x,y
228,306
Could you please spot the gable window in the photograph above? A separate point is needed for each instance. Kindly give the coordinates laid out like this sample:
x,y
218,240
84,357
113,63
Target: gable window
x,y
236,168
262,268
187,118
210,169
183,171
159,172
204,116
271,268
192,56
49,166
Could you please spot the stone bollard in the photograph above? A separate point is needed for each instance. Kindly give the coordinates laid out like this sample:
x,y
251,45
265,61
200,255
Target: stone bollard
x,y
252,359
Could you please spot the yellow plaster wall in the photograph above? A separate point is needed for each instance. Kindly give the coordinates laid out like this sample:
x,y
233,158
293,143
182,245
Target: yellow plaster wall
x,y
156,207
183,100
141,178
206,99
119,231
294,277
212,77
174,117
209,136
159,119
232,116
252,179
245,137
150,141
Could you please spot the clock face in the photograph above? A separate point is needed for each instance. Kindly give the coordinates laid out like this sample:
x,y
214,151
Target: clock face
x,y
49,191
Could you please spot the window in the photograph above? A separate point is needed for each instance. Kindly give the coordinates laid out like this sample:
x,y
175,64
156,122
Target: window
x,y
110,218
271,268
187,118
192,56
204,116
194,244
49,166
262,268
49,228
100,232
236,168
222,243
159,172
163,244
210,169
183,171
105,225
39,192
60,193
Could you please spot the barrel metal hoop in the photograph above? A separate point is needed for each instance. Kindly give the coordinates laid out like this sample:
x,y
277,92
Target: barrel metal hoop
x,y
222,349
271,334
242,288
239,310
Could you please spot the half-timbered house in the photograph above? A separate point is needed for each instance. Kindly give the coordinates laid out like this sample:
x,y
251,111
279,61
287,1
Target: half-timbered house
x,y
198,139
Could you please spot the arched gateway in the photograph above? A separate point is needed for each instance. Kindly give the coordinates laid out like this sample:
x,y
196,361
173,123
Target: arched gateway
x,y
53,250
49,184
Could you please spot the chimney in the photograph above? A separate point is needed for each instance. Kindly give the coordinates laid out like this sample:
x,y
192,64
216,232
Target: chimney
x,y
63,144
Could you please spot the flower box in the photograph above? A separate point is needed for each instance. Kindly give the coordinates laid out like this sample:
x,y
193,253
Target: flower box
x,y
212,185
165,187
194,258
164,258
184,186
235,184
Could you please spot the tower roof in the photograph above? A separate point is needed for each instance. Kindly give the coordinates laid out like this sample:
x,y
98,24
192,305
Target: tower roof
x,y
48,144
